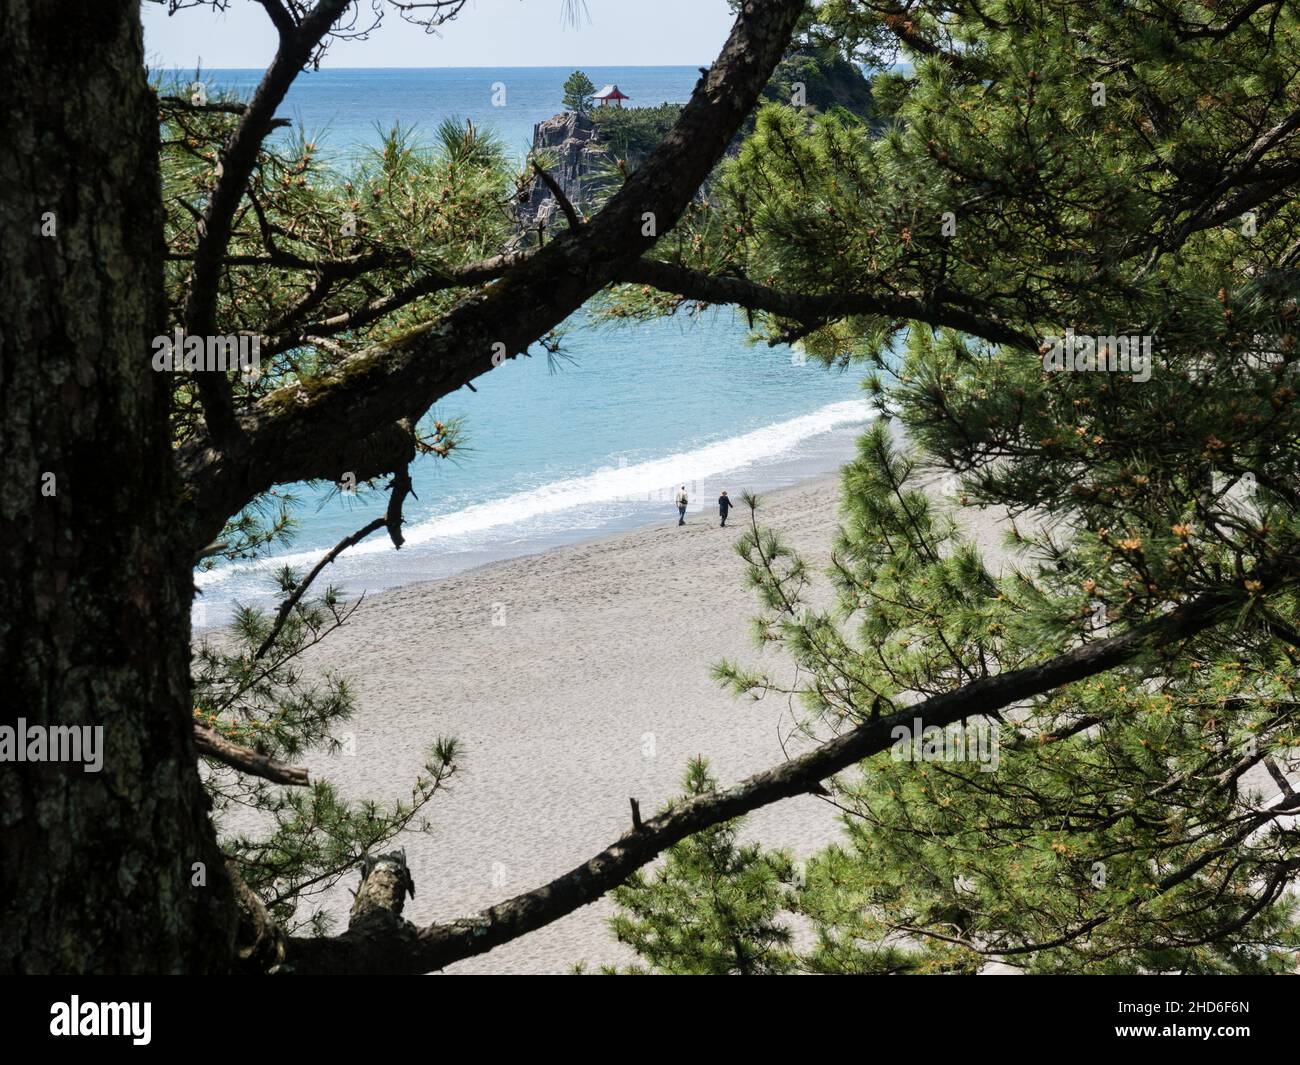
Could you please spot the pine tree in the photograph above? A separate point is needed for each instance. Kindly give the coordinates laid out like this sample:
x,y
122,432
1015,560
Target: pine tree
x,y
1079,168
578,91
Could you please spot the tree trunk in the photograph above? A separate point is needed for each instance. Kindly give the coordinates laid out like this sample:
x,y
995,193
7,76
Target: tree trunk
x,y
99,869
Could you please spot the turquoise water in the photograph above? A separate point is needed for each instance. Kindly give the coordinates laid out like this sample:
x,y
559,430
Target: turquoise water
x,y
559,450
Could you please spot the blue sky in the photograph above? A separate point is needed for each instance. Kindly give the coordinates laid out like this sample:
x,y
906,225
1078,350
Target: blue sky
x,y
487,33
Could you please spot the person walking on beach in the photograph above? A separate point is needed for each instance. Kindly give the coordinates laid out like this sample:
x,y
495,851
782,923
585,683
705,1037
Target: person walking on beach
x,y
681,506
724,505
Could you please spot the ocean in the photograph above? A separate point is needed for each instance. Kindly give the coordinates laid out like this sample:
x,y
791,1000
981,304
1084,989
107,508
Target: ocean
x,y
553,450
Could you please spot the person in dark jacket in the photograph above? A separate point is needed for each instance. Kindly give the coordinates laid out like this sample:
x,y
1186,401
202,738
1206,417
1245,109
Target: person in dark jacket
x,y
724,505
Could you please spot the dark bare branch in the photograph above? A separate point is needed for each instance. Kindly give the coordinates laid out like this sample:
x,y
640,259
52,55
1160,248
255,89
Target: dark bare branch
x,y
398,491
169,105
1230,25
238,158
439,281
263,944
565,205
294,598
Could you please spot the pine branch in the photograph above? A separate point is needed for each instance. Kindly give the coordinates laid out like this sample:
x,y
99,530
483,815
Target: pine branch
x,y
817,309
292,600
238,158
212,744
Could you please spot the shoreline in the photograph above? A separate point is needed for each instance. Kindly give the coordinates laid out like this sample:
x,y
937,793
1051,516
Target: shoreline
x,y
374,568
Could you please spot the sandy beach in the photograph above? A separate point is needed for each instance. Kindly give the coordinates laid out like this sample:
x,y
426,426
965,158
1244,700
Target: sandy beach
x,y
574,679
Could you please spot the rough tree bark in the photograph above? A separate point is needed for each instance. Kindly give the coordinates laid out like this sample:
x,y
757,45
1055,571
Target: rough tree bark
x,y
95,589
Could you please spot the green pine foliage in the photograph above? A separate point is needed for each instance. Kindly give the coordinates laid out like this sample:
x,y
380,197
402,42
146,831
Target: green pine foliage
x,y
632,133
250,688
1139,820
578,92
340,228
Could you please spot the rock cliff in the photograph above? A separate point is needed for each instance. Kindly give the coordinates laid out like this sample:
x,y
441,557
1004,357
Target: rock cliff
x,y
581,155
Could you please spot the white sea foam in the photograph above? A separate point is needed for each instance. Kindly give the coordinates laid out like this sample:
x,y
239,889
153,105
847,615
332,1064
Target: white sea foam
x,y
639,481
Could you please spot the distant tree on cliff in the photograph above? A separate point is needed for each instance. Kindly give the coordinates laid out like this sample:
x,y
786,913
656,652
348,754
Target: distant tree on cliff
x,y
578,91
634,132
